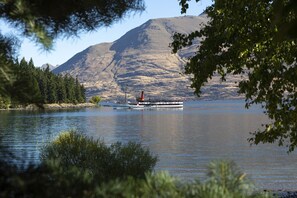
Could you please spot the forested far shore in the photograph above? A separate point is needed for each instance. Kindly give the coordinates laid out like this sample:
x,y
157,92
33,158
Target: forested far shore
x,y
44,87
53,106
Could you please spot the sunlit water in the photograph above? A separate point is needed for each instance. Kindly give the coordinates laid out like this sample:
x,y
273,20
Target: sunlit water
x,y
185,140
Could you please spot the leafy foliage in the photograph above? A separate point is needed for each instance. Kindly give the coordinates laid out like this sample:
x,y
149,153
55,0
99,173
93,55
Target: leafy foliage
x,y
253,39
72,149
95,99
45,20
227,175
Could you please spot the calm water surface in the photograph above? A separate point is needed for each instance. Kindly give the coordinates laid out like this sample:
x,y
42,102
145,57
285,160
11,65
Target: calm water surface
x,y
185,140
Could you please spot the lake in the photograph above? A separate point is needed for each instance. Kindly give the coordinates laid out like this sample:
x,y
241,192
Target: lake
x,y
185,140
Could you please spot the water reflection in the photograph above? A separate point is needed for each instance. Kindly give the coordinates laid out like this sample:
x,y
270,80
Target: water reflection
x,y
185,140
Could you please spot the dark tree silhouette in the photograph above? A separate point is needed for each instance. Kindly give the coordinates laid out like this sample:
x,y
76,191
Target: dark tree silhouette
x,y
256,39
43,21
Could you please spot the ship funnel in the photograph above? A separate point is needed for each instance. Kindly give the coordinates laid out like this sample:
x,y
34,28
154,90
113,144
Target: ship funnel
x,y
141,98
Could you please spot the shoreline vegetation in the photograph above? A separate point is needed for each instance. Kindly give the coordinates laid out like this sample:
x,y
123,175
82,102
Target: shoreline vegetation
x,y
53,106
39,86
75,165
69,105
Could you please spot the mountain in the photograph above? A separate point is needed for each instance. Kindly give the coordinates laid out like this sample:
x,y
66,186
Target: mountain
x,y
142,60
44,66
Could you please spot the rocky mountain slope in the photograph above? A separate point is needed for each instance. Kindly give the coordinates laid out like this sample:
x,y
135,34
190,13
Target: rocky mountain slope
x,y
142,60
51,67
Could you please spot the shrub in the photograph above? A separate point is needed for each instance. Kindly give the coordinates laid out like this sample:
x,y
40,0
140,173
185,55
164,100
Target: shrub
x,y
227,175
160,185
56,181
163,185
130,159
103,162
60,182
74,165
95,99
154,185
224,179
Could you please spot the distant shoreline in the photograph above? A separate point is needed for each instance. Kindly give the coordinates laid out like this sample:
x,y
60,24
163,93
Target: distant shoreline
x,y
54,106
68,105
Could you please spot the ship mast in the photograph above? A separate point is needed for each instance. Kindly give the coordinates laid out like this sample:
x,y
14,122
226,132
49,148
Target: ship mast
x,y
125,89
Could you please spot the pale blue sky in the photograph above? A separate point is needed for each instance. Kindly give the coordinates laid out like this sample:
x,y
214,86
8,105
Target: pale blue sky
x,y
64,49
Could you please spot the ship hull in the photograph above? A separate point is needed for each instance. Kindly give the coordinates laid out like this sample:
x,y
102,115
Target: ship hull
x,y
152,105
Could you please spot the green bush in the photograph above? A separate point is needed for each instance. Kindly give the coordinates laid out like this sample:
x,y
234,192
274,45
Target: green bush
x,y
54,182
163,185
60,182
227,175
224,179
95,99
160,185
103,162
154,185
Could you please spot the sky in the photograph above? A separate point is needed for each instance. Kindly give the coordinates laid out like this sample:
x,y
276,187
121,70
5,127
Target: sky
x,y
64,49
